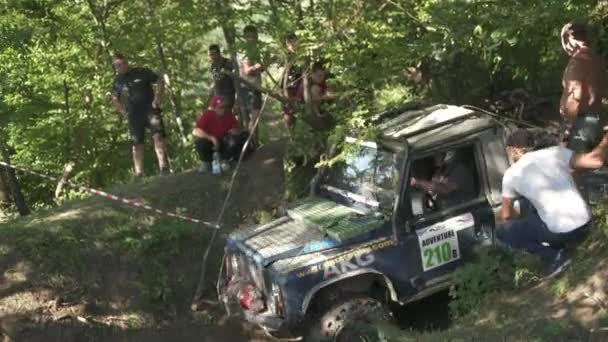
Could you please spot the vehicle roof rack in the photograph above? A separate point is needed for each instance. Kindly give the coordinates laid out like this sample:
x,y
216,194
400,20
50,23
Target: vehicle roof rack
x,y
421,121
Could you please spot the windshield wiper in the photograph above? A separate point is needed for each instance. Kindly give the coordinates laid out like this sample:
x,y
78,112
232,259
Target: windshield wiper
x,y
351,196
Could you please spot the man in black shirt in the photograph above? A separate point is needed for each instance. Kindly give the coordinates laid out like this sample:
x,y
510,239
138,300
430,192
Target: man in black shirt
x,y
223,85
135,96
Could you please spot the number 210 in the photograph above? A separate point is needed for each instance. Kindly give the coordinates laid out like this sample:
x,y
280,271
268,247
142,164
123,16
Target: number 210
x,y
441,253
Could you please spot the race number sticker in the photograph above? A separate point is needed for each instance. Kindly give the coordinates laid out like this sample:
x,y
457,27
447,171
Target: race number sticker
x,y
439,242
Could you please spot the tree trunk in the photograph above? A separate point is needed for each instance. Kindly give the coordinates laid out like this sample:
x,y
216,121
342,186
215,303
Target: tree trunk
x,y
230,37
5,195
274,11
166,74
300,13
100,16
13,184
66,95
68,139
67,171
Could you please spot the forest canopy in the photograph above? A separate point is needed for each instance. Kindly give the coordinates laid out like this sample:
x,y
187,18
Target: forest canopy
x,y
56,71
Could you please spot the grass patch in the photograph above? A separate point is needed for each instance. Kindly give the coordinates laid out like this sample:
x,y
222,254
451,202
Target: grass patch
x,y
588,256
112,257
494,270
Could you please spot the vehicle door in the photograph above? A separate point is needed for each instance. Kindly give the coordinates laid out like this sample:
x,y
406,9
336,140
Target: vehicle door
x,y
449,211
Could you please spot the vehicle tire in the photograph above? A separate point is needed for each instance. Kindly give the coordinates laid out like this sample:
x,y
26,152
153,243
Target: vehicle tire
x,y
347,319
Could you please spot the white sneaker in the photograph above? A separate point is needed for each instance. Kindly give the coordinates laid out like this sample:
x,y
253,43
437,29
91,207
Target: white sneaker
x,y
204,168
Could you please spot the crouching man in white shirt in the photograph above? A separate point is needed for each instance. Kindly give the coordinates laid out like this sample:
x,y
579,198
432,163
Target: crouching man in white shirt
x,y
543,177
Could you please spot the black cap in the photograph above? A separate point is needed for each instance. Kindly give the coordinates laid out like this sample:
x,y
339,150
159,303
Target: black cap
x,y
522,138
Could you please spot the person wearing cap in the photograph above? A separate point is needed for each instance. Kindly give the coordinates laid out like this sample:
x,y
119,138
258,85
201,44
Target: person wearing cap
x,y
542,176
217,129
584,84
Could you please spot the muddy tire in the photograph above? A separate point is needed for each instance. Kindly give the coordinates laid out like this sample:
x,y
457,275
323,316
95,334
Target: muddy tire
x,y
347,319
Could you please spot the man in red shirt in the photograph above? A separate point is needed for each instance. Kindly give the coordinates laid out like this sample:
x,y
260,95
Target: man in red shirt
x,y
218,130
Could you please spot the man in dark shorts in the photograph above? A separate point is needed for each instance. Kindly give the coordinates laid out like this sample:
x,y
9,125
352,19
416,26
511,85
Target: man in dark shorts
x,y
584,85
135,96
217,130
251,70
223,84
292,77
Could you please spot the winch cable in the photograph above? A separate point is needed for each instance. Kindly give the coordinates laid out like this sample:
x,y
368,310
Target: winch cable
x,y
201,282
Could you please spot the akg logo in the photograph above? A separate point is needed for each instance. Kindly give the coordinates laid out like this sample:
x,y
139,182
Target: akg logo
x,y
351,264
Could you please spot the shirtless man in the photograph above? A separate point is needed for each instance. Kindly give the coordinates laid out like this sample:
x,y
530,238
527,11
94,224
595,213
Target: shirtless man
x,y
251,70
584,85
319,93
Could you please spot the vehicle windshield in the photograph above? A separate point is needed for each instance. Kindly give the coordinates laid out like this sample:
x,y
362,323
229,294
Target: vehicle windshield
x,y
366,176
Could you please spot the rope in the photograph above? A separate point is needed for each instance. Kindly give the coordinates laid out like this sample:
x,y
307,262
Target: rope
x,y
112,197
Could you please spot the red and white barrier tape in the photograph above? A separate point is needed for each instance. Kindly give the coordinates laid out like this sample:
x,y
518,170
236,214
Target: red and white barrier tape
x,y
113,197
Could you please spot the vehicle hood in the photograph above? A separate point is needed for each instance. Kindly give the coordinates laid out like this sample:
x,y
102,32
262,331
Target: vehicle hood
x,y
311,226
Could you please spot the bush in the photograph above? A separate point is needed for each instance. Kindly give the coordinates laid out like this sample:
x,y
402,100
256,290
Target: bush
x,y
494,270
600,218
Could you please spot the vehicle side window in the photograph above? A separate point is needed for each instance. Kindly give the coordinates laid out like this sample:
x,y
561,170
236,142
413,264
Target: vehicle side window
x,y
444,179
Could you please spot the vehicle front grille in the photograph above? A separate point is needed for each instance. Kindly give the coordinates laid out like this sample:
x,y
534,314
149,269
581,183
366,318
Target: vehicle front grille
x,y
245,269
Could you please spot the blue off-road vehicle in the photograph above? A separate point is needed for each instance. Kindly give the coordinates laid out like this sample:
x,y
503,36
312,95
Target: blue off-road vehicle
x,y
367,236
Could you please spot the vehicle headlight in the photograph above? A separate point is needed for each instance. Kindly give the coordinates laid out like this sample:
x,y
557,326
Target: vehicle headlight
x,y
233,264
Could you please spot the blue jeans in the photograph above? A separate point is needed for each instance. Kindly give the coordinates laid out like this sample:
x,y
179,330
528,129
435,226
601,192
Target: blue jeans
x,y
530,233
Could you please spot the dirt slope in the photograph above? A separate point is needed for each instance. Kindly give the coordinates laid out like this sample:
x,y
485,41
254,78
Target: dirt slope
x,y
95,270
